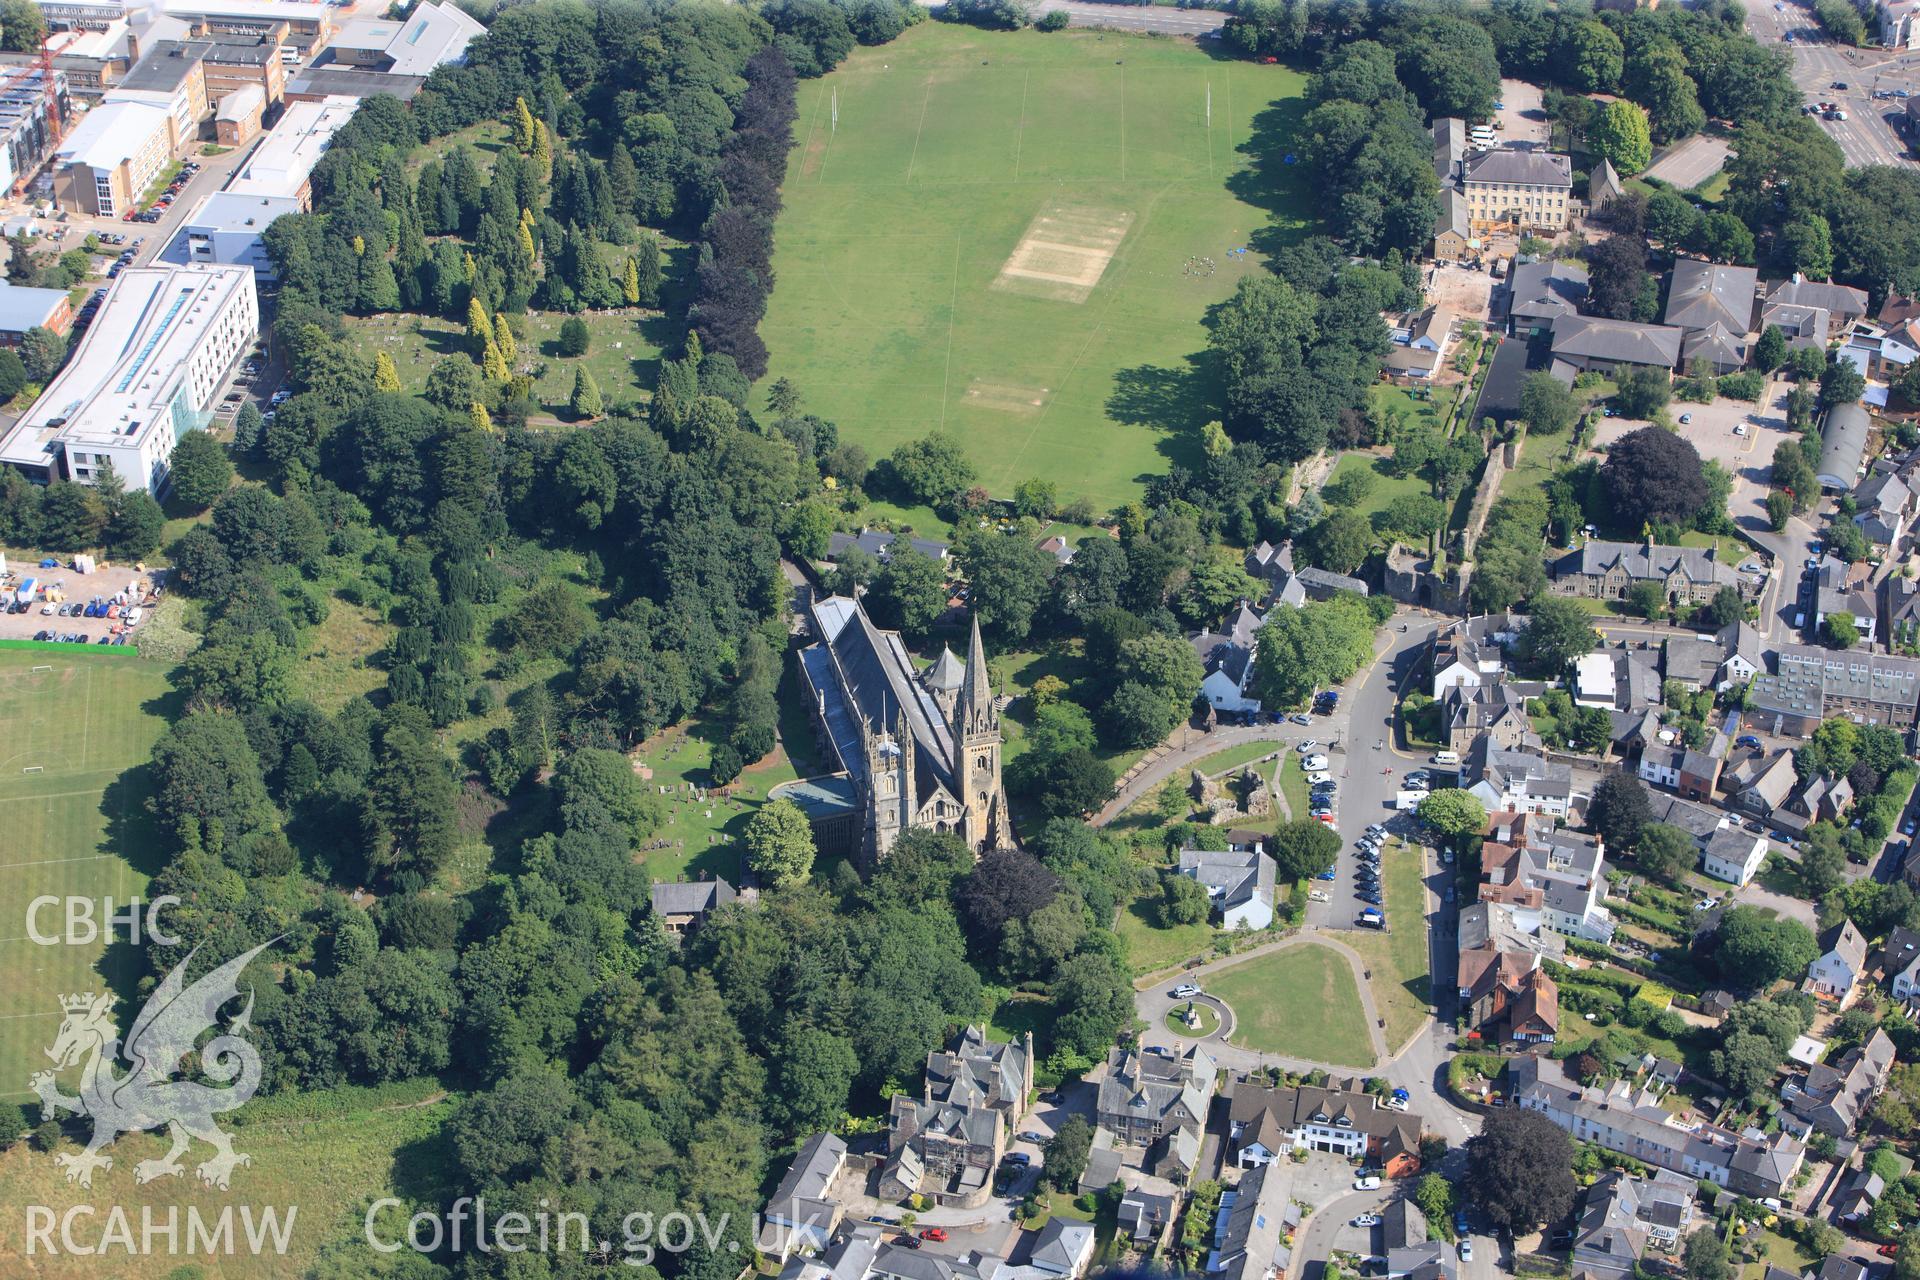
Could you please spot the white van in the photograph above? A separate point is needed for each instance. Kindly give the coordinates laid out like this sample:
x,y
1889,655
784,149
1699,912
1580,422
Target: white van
x,y
1450,759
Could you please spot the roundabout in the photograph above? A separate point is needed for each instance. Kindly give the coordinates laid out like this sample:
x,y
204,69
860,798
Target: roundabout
x,y
1201,1018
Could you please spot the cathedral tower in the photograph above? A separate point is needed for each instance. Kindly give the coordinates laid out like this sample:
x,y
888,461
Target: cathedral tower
x,y
977,742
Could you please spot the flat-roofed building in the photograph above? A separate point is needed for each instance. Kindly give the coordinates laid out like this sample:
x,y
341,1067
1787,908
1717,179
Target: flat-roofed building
x,y
233,65
228,227
93,58
111,157
148,370
432,35
305,24
237,119
283,162
68,14
171,75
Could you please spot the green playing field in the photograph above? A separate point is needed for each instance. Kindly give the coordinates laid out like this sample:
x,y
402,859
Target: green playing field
x,y
79,729
1015,236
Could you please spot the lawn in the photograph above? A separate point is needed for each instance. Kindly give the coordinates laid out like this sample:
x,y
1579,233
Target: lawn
x,y
1293,786
318,1158
1300,1001
1430,406
699,837
1152,946
1398,958
73,787
1234,757
1386,486
1016,240
623,358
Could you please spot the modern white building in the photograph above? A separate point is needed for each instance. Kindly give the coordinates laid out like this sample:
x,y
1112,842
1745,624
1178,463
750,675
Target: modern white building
x,y
149,369
283,162
227,227
1733,854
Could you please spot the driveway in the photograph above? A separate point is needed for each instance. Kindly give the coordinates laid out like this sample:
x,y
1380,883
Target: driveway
x,y
1522,119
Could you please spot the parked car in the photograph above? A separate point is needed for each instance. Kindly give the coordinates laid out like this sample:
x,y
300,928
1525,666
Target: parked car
x,y
1301,717
1371,1182
935,1234
1313,764
1019,1157
1306,746
1367,1220
1466,1251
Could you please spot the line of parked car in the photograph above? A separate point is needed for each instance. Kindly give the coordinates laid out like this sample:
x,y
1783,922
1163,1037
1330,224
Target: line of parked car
x,y
78,637
160,206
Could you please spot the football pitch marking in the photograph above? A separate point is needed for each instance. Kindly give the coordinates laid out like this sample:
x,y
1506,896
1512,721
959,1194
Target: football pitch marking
x,y
1064,252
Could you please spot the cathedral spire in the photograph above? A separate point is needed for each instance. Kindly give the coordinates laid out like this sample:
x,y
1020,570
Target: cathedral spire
x,y
976,691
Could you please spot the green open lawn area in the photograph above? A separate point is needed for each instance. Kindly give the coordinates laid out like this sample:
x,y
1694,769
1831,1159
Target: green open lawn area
x,y
1300,1001
624,356
1429,405
1151,946
1015,236
73,790
1398,957
319,1158
1386,486
1293,785
1233,757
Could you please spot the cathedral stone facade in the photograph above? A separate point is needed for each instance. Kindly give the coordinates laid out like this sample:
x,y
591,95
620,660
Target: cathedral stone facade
x,y
912,750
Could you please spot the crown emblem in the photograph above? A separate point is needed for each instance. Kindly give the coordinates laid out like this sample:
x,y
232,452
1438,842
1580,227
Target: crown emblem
x,y
79,1002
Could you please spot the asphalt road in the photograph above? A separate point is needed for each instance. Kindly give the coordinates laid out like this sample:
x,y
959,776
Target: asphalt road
x,y
1867,136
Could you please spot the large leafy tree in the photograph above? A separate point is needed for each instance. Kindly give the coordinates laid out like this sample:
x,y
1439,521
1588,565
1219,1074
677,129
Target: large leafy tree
x,y
1453,813
1757,950
1558,632
779,842
1654,476
1619,809
1520,1170
1620,133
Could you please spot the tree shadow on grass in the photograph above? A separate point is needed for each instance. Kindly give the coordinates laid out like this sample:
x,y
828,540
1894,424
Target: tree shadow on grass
x,y
1281,190
1175,402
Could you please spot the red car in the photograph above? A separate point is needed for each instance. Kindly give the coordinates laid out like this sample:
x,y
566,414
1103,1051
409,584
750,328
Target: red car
x,y
1888,1250
935,1234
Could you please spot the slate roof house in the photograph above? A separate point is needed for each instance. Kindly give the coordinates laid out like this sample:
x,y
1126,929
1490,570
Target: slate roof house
x,y
1062,1247
1497,711
1621,1215
1731,657
1749,1163
1410,1254
1841,964
1833,1099
1761,784
1844,303
947,1144
1342,1118
1522,781
1539,292
1607,570
1252,1224
1714,304
1157,1100
1604,345
680,905
1512,190
1273,565
1472,653
1884,505
1239,884
880,545
1227,656
1508,997
801,1216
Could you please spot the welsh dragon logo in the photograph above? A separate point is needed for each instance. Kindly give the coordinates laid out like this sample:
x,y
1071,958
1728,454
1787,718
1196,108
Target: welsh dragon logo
x,y
158,1046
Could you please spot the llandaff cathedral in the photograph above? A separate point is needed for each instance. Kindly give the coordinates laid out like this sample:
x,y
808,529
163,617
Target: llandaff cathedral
x,y
912,750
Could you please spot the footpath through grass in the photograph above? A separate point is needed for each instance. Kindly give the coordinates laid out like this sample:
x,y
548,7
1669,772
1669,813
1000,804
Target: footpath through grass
x,y
1301,1002
1015,236
73,790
